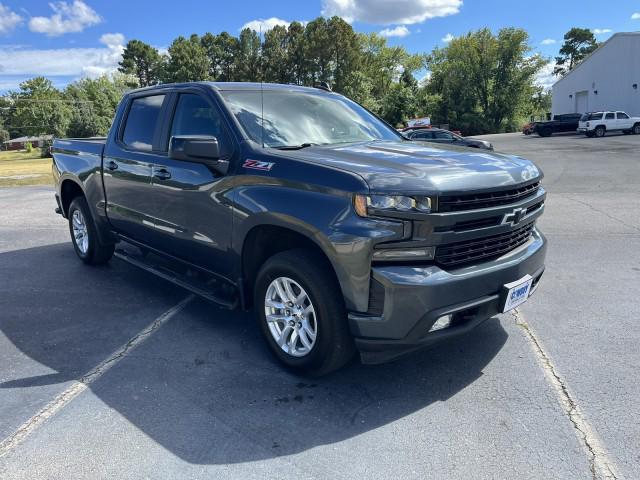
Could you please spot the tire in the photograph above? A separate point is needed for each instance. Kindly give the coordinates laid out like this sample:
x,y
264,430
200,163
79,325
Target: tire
x,y
332,347
600,131
545,132
84,234
636,129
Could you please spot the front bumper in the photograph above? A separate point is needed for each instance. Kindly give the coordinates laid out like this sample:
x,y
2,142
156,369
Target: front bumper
x,y
415,297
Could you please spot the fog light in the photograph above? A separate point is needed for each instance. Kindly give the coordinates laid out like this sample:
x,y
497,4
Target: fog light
x,y
441,323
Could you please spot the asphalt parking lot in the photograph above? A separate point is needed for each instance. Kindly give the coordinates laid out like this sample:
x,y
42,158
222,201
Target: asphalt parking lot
x,y
549,392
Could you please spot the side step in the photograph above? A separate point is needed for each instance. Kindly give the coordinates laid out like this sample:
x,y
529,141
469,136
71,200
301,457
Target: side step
x,y
197,282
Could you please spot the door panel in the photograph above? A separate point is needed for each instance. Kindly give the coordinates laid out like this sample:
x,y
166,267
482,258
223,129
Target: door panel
x,y
190,207
127,169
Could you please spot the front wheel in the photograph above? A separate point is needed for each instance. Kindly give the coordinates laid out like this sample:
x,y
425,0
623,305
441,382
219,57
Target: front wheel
x,y
301,313
84,234
636,129
600,131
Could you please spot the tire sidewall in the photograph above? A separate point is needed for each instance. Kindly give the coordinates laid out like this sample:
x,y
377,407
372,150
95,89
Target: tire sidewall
x,y
599,132
636,129
79,203
318,297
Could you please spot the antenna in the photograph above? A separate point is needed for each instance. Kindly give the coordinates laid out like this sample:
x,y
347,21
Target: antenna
x,y
261,91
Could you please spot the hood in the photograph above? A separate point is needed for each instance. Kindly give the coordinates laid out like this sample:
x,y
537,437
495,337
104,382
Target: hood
x,y
419,168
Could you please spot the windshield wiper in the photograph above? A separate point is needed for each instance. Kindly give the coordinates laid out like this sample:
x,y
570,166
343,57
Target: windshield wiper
x,y
295,147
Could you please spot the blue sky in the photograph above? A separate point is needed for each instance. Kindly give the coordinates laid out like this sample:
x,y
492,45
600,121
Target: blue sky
x,y
66,40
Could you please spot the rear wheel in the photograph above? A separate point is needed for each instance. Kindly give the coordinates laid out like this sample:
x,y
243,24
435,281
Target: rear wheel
x,y
600,131
636,129
84,234
301,313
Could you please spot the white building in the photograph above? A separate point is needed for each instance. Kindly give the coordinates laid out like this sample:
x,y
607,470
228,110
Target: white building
x,y
607,79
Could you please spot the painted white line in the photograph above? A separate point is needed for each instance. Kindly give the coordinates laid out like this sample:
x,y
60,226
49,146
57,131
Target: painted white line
x,y
80,385
601,465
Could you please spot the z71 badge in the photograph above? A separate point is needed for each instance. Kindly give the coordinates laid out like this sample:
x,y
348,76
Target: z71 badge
x,y
258,165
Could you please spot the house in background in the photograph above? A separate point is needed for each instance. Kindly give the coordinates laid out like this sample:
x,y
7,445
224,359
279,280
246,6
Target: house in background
x,y
607,79
20,142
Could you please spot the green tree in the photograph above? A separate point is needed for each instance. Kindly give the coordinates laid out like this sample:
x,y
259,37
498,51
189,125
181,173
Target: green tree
x,y
39,109
188,61
143,61
94,103
275,55
483,79
578,43
247,57
296,63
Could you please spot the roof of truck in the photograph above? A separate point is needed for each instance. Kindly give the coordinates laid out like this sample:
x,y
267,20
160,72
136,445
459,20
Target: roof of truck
x,y
234,86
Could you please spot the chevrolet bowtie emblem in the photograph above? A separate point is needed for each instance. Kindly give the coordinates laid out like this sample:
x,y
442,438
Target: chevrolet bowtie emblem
x,y
514,217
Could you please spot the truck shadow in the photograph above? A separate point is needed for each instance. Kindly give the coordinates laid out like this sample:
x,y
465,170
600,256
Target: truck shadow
x,y
204,386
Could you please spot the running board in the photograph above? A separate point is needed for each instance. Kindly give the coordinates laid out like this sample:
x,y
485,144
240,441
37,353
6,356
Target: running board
x,y
209,288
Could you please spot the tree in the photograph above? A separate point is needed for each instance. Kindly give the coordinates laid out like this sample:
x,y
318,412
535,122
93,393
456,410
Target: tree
x,y
93,105
143,61
483,79
578,43
39,109
188,61
247,57
275,55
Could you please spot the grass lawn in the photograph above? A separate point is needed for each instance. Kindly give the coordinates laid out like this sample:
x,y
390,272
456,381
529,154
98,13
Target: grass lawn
x,y
21,168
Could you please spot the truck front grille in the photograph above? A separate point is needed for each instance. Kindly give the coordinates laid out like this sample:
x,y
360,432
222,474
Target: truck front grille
x,y
481,249
456,203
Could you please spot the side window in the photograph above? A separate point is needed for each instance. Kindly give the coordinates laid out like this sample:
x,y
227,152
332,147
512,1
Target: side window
x,y
422,135
142,121
622,115
194,116
442,135
609,116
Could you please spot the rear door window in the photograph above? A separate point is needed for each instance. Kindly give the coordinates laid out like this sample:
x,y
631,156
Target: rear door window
x,y
622,116
142,122
610,116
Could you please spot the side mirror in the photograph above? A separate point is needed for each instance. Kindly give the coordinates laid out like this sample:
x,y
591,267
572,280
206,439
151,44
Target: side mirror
x,y
198,149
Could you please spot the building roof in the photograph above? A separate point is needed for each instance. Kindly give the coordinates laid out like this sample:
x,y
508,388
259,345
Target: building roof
x,y
29,139
585,59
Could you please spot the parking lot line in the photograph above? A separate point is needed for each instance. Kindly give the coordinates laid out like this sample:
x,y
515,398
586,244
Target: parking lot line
x,y
80,385
601,465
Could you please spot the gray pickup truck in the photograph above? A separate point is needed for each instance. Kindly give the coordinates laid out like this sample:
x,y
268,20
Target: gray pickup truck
x,y
303,206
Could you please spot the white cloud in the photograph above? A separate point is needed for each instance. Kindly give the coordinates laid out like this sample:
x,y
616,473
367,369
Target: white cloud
x,y
548,41
635,16
399,31
545,77
601,31
447,38
66,18
265,24
8,20
74,62
384,12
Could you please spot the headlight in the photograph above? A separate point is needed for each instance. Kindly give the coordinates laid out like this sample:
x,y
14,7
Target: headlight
x,y
366,205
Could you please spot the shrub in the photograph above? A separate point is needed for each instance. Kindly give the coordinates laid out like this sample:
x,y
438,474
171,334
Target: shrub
x,y
28,147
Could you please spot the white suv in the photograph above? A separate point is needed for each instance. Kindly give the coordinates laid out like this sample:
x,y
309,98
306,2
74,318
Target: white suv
x,y
599,123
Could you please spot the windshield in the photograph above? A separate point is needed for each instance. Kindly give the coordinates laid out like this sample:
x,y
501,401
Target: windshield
x,y
295,118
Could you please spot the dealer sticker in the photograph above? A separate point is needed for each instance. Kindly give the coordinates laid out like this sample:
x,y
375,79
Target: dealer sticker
x,y
517,292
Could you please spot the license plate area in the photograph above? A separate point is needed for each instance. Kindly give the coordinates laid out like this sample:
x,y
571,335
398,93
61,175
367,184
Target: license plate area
x,y
516,293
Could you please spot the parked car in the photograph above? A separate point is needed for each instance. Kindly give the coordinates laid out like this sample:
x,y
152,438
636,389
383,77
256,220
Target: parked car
x,y
567,122
438,135
597,124
301,205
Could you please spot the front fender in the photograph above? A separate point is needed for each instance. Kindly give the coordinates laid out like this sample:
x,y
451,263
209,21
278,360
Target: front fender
x,y
327,218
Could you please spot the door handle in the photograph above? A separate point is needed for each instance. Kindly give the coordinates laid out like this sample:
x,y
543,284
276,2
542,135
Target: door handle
x,y
111,165
161,173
